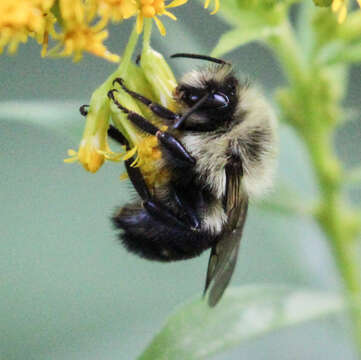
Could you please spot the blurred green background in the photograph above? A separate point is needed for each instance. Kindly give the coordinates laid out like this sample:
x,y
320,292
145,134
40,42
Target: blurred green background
x,y
68,290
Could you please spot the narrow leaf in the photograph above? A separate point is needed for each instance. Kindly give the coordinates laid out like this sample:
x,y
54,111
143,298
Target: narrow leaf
x,y
51,114
58,116
339,52
240,36
196,331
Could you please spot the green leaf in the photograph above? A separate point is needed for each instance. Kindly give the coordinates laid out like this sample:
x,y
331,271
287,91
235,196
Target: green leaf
x,y
351,54
286,201
196,331
58,116
240,36
269,12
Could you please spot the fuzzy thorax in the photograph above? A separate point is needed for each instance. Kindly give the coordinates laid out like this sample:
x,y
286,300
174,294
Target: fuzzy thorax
x,y
252,136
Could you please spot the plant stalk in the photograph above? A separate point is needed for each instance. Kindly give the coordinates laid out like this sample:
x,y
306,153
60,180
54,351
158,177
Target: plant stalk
x,y
315,120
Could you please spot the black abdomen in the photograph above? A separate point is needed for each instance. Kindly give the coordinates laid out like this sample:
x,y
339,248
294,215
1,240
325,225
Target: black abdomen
x,y
155,240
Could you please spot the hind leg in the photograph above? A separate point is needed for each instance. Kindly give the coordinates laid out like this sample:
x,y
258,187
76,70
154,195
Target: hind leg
x,y
154,207
155,239
150,229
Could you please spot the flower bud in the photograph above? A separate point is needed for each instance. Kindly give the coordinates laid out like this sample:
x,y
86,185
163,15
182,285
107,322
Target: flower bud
x,y
159,76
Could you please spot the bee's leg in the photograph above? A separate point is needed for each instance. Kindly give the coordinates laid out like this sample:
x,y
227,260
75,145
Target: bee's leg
x,y
190,213
134,173
116,135
160,110
152,206
157,109
140,186
84,109
169,142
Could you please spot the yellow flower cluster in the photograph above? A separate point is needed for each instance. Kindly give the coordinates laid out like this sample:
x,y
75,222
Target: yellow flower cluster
x,y
152,73
75,25
22,18
147,154
339,7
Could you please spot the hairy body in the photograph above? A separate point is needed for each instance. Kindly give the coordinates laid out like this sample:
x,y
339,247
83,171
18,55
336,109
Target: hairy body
x,y
220,149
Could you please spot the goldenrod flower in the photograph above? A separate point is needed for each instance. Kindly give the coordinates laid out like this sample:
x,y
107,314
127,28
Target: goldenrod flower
x,y
78,34
116,10
93,148
22,18
143,148
147,154
81,22
92,152
83,38
161,83
216,5
152,8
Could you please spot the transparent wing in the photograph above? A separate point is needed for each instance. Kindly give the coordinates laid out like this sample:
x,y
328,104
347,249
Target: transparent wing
x,y
224,254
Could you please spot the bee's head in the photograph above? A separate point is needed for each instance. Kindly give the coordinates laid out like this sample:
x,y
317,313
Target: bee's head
x,y
208,96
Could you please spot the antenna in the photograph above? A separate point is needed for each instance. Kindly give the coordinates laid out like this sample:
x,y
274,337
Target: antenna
x,y
200,57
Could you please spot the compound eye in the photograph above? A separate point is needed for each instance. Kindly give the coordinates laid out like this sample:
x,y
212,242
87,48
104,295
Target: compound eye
x,y
214,100
217,100
220,100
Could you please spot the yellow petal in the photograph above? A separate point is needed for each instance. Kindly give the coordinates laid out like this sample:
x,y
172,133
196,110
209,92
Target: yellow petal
x,y
216,7
135,162
129,9
359,3
160,26
169,14
123,176
130,153
342,15
72,152
336,5
176,3
112,156
70,160
206,4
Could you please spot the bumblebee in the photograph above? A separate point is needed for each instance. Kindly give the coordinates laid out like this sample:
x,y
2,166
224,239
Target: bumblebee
x,y
220,149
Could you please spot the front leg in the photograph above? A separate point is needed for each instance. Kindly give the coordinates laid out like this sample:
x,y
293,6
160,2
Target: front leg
x,y
173,146
156,108
175,150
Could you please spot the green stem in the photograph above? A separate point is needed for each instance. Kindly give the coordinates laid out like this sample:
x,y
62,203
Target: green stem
x,y
127,56
103,89
340,224
311,117
99,99
285,46
147,34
